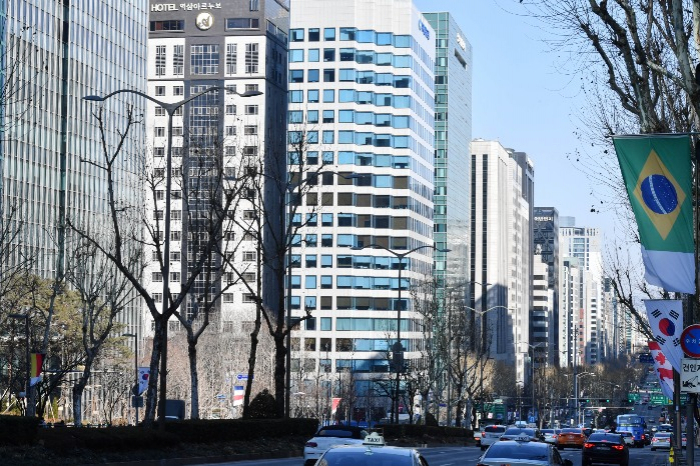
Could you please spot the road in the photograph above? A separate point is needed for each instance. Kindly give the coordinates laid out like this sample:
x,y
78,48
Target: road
x,y
467,456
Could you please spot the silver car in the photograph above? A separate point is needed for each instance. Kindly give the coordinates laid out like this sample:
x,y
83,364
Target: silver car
x,y
491,435
550,435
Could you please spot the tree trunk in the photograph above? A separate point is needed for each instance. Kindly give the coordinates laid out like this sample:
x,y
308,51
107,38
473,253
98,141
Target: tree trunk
x,y
194,380
252,357
280,364
152,392
458,413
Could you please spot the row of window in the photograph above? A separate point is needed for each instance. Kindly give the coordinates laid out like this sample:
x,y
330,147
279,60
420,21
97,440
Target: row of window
x,y
351,116
346,282
351,34
363,57
205,59
345,261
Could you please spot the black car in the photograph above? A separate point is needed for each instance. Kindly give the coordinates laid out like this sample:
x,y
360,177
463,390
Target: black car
x,y
608,448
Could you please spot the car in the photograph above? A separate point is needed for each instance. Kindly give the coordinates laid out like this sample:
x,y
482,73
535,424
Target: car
x,y
490,435
608,448
661,440
516,432
627,437
665,428
550,435
371,452
523,453
571,438
330,436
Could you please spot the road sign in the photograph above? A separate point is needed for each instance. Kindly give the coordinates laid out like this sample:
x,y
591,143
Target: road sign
x,y
690,340
242,377
690,375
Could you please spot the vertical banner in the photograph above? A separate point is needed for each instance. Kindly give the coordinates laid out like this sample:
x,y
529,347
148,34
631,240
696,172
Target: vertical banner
x,y
666,322
657,173
37,361
334,405
238,395
144,373
663,369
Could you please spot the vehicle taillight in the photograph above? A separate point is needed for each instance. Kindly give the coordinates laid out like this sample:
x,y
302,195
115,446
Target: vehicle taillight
x,y
311,444
588,445
618,447
643,437
483,434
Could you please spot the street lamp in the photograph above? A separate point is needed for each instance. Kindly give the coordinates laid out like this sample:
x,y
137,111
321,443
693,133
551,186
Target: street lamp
x,y
29,364
170,108
397,348
135,390
532,370
576,395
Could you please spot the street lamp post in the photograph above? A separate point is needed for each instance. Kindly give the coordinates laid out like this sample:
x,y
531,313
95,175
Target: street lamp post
x,y
532,371
29,402
170,108
397,348
576,395
135,390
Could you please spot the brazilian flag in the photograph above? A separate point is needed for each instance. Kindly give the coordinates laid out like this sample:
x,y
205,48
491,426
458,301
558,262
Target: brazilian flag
x,y
657,174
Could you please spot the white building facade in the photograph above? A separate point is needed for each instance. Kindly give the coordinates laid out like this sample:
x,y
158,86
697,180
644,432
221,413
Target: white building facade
x,y
361,94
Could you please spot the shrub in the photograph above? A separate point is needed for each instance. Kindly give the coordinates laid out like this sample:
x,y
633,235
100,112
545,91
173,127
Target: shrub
x,y
18,430
263,406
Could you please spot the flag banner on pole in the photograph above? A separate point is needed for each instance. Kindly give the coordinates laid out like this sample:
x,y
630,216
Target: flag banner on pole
x,y
238,395
657,174
144,374
37,360
663,369
334,406
666,322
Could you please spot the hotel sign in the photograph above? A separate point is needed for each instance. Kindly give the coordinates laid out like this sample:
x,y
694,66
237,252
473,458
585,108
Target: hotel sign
x,y
423,29
461,42
160,7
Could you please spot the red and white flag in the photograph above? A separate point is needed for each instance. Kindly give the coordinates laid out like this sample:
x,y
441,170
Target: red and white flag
x,y
663,369
238,395
666,322
335,402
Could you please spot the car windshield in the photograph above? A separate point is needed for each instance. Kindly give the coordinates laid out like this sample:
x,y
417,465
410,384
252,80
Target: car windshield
x,y
342,433
524,451
496,429
571,431
547,431
662,435
611,438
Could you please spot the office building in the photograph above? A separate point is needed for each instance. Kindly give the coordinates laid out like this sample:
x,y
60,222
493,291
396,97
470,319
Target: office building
x,y
218,140
362,96
546,244
502,183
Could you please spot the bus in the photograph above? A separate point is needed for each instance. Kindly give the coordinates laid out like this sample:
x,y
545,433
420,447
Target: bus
x,y
633,423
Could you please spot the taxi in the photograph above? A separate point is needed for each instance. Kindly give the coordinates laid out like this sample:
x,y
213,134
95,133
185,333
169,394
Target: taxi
x,y
372,452
522,452
571,438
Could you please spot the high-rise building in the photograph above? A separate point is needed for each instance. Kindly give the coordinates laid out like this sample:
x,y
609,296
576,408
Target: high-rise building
x,y
501,196
362,97
546,244
453,124
219,139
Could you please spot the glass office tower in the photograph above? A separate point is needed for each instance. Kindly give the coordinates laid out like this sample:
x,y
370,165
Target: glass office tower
x,y
362,99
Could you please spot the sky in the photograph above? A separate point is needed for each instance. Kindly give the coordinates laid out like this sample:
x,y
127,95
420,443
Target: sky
x,y
522,99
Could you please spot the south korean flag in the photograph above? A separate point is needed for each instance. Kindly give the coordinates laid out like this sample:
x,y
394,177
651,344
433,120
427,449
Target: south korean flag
x,y
666,322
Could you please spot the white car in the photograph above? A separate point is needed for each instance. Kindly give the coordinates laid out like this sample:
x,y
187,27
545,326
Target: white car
x,y
627,437
550,435
491,435
331,436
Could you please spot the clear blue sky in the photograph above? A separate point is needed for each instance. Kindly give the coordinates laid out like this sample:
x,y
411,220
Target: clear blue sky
x,y
521,99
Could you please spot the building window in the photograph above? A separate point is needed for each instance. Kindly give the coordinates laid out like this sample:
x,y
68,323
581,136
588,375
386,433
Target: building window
x,y
250,151
254,5
251,88
177,131
159,151
231,58
230,110
248,298
158,297
160,90
159,131
157,277
249,256
228,297
314,34
296,35
250,130
160,60
204,59
179,60
251,58
160,111
168,25
242,23
230,131
178,90
251,109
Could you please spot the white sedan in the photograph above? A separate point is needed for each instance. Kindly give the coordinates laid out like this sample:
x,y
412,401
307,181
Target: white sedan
x,y
627,437
331,436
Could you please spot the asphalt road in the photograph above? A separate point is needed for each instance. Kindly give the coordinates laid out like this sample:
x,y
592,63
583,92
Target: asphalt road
x,y
467,456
